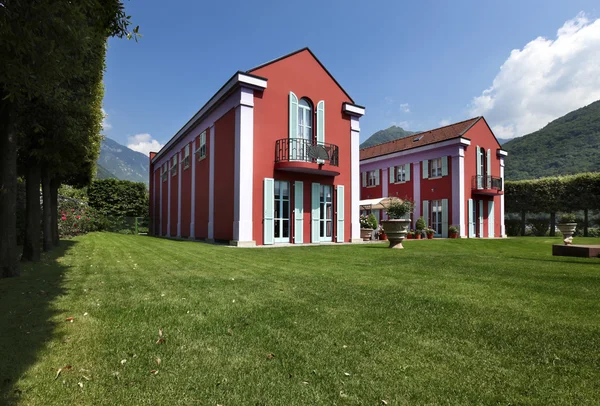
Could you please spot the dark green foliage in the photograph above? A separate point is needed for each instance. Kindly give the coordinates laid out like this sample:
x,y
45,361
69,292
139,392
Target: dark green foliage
x,y
122,162
539,227
568,145
513,227
567,218
118,198
372,221
420,224
389,134
398,209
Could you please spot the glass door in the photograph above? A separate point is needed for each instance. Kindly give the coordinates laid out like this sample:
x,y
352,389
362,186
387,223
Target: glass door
x,y
281,204
326,213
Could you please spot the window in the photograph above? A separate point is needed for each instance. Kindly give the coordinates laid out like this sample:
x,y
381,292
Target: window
x,y
201,151
186,157
372,178
163,173
305,119
401,173
435,168
436,216
174,165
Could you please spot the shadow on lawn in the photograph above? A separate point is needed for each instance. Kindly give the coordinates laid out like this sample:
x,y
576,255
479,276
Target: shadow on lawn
x,y
593,261
25,325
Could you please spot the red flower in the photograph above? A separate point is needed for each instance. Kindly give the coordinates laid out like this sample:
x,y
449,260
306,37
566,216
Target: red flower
x,y
78,217
63,218
74,225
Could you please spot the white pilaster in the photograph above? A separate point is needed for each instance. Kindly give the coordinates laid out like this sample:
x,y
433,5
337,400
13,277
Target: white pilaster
x,y
160,213
243,169
416,176
502,229
385,181
179,166
193,194
169,176
355,178
461,192
211,185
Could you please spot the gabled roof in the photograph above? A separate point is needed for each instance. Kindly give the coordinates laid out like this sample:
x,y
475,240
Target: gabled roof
x,y
445,133
297,52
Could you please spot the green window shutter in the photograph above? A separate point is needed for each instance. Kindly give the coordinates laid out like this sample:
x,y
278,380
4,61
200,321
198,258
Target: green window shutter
x,y
392,174
444,218
269,212
377,177
480,217
425,169
293,130
298,212
444,166
479,180
407,170
488,178
314,215
426,211
364,179
471,223
340,214
491,219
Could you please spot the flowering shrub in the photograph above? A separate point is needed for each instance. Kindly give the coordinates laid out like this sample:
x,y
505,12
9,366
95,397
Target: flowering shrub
x,y
364,221
75,218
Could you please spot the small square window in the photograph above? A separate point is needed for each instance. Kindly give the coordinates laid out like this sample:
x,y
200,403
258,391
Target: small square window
x,y
201,151
186,157
174,165
401,173
435,168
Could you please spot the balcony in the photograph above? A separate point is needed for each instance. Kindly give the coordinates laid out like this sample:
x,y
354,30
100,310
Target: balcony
x,y
486,185
306,156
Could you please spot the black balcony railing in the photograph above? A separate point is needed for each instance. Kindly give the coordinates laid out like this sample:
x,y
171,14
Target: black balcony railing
x,y
481,182
302,150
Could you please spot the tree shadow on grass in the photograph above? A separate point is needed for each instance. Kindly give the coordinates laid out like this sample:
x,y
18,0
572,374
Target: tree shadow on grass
x,y
592,261
26,314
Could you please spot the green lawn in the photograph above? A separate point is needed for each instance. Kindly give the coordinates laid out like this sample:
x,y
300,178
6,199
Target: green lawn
x,y
441,322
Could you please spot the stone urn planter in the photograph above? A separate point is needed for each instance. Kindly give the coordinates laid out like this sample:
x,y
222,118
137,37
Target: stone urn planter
x,y
396,231
365,233
567,229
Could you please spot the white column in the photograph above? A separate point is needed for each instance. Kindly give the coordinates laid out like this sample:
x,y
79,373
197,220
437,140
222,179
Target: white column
x,y
211,185
193,194
385,181
179,165
355,179
416,176
243,169
160,219
502,229
169,176
461,192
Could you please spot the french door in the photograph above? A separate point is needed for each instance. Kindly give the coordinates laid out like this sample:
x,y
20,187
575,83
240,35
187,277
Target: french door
x,y
326,213
281,205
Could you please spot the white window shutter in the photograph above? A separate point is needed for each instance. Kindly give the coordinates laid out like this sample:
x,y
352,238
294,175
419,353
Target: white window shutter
x,y
321,122
392,174
364,179
340,214
444,218
479,182
444,166
298,212
425,169
488,178
269,212
377,177
293,119
471,219
314,215
426,211
480,219
407,172
491,219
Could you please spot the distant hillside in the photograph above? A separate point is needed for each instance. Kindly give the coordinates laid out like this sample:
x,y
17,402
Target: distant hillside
x,y
389,134
103,173
503,141
568,145
122,162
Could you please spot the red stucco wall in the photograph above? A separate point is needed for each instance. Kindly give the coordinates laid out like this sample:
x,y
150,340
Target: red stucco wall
x,y
202,172
224,153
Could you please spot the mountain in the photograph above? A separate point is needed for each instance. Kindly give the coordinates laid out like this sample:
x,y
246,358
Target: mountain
x,y
389,134
566,146
103,173
122,162
503,141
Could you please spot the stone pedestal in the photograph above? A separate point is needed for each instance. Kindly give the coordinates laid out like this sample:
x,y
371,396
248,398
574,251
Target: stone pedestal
x,y
582,251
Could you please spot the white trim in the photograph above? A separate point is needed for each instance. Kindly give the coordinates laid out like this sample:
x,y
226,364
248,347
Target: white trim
x,y
211,186
179,196
502,229
480,218
417,191
501,152
414,150
238,78
160,214
353,109
355,179
464,141
461,192
168,233
193,197
243,170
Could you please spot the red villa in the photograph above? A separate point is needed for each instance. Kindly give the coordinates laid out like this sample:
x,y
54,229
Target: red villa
x,y
272,157
454,174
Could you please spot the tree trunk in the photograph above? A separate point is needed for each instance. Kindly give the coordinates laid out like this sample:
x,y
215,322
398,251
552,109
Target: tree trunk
x,y
523,223
9,265
47,210
33,214
552,224
585,222
54,185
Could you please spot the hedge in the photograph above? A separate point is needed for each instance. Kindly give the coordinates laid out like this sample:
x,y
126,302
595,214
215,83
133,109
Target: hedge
x,y
119,198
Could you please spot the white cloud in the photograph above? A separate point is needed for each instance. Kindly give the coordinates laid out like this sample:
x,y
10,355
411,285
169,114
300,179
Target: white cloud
x,y
143,143
544,80
405,108
388,100
403,124
444,122
105,124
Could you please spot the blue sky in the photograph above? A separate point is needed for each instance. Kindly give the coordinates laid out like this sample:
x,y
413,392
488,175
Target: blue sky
x,y
414,64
